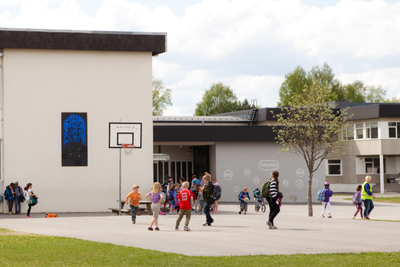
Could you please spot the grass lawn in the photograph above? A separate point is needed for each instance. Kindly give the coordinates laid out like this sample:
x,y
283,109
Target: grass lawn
x,y
18,249
384,199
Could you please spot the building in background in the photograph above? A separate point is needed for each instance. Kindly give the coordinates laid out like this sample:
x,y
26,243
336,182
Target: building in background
x,y
60,92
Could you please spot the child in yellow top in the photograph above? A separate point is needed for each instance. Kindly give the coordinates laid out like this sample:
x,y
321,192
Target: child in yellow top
x,y
134,197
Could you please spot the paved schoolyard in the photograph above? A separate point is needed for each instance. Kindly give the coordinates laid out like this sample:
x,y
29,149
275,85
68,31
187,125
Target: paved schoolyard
x,y
233,234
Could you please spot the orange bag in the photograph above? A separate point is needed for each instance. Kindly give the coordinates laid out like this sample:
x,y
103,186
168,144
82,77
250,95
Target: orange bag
x,y
49,215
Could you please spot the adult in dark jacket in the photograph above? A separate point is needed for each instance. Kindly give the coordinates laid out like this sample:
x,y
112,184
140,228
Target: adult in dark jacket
x,y
9,195
19,197
208,190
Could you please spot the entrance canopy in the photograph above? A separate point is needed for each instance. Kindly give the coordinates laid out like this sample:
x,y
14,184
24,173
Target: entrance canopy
x,y
157,157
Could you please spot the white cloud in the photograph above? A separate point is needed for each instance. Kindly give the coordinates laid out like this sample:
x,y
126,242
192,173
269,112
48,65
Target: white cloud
x,y
247,44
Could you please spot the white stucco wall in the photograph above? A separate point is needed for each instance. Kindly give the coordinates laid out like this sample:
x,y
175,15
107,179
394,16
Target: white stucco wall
x,y
250,164
41,84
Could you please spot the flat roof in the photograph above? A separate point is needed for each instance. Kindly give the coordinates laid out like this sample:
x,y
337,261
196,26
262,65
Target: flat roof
x,y
153,42
197,119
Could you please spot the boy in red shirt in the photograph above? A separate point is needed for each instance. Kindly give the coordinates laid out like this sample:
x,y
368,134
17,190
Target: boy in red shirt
x,y
185,198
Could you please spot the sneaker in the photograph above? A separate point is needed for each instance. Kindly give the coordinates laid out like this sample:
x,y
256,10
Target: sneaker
x,y
323,216
240,212
157,229
176,228
270,225
10,212
29,217
186,228
133,222
330,216
245,213
206,224
274,227
150,229
196,211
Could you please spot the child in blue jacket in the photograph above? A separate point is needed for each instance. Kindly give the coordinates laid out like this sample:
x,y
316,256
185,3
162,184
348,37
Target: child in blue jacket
x,y
243,201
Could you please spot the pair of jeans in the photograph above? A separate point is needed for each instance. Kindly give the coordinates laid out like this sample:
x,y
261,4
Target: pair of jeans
x,y
10,204
17,205
134,211
369,206
273,209
207,208
188,215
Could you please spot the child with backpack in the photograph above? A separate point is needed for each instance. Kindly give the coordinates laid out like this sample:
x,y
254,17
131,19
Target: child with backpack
x,y
200,199
244,198
327,193
9,195
217,194
172,199
185,197
358,202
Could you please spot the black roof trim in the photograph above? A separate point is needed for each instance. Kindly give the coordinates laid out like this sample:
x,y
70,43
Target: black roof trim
x,y
186,133
83,40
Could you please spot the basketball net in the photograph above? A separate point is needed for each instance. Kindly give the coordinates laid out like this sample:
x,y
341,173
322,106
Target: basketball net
x,y
128,149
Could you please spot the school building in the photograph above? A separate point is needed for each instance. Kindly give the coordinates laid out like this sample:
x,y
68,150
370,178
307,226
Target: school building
x,y
69,99
240,150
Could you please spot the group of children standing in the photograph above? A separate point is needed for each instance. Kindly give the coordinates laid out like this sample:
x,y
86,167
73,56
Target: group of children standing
x,y
181,200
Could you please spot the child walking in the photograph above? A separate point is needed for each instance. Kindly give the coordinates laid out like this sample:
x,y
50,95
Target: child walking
x,y
185,197
172,199
208,190
155,197
357,201
177,203
325,203
243,204
200,199
134,197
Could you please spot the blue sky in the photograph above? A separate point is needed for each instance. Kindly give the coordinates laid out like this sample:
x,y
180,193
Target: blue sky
x,y
247,44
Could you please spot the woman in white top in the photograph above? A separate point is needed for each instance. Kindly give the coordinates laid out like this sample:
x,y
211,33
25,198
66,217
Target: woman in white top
x,y
29,194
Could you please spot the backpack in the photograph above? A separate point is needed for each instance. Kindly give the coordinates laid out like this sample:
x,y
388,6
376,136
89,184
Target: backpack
x,y
163,197
257,193
195,193
357,198
265,189
216,195
49,215
321,194
240,195
170,195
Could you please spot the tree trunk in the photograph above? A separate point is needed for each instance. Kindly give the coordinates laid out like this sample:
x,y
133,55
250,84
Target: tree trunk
x,y
309,195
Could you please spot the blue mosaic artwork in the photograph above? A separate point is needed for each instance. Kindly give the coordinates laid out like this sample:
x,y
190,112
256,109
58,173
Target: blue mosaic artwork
x,y
74,139
74,130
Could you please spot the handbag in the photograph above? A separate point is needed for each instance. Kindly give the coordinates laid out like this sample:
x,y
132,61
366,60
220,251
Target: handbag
x,y
21,198
32,201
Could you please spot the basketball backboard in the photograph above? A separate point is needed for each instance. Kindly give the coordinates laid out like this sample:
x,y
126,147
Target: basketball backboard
x,y
125,133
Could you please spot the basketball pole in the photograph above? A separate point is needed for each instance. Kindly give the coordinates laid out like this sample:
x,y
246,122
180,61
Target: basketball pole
x,y
119,195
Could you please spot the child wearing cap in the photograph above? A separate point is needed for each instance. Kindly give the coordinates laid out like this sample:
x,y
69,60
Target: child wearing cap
x,y
325,203
134,197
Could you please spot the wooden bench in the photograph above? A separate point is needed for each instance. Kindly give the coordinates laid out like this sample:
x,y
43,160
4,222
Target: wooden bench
x,y
140,210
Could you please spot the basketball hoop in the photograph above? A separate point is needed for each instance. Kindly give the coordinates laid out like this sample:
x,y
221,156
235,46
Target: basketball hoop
x,y
128,149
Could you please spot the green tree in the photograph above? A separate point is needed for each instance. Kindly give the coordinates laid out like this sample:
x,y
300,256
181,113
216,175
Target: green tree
x,y
161,97
357,91
218,99
311,129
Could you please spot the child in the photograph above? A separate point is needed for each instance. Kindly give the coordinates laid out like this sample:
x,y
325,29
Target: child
x,y
185,197
171,199
243,204
325,203
134,197
208,190
195,192
156,198
200,199
215,205
357,201
177,203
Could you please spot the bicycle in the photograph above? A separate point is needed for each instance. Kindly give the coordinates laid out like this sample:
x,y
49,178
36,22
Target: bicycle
x,y
260,204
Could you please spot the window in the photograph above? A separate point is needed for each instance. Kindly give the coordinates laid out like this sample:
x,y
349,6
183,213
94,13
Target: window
x,y
359,131
394,129
348,133
372,165
334,166
374,130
